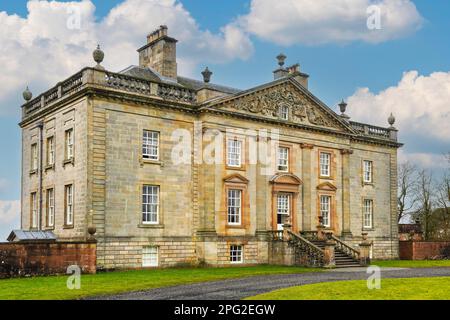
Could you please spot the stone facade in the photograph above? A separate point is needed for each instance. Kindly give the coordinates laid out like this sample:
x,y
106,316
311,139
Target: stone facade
x,y
110,111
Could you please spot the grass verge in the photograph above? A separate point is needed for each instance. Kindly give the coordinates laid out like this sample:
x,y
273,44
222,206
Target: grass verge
x,y
411,263
436,288
55,288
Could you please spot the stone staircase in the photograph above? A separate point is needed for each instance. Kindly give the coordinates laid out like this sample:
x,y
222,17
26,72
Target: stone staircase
x,y
341,258
320,250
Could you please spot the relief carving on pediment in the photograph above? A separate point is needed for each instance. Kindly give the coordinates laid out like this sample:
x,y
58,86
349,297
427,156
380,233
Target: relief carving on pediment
x,y
268,103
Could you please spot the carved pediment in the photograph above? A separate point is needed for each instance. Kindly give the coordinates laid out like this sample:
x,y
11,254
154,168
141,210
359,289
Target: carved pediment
x,y
267,102
235,178
326,186
286,178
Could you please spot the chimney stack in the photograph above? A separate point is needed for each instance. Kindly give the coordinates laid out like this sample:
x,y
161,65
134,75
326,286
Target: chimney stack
x,y
294,71
160,53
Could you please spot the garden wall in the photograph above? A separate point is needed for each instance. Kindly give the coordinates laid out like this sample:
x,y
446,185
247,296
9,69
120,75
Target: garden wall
x,y
422,250
31,259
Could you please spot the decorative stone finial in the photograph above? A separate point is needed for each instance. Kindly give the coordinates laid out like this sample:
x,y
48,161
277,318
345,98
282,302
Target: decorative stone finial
x,y
343,106
206,75
98,55
391,120
27,95
281,58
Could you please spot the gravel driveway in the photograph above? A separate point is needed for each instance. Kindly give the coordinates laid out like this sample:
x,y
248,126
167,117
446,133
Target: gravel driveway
x,y
236,289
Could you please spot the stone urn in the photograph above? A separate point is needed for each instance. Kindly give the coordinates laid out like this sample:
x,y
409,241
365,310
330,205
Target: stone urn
x,y
329,235
92,230
364,236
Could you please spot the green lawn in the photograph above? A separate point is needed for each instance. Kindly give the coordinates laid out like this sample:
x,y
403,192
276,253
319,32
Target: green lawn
x,y
53,288
391,289
411,263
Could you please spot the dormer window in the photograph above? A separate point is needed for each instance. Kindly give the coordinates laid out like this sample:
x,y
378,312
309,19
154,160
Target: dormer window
x,y
284,113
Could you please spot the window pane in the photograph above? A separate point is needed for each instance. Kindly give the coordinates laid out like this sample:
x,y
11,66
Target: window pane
x,y
150,204
150,145
368,213
325,164
283,159
150,256
283,204
367,171
236,254
234,206
325,209
234,149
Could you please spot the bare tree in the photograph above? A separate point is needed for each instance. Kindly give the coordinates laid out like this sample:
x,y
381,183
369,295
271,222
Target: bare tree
x,y
407,175
423,197
442,213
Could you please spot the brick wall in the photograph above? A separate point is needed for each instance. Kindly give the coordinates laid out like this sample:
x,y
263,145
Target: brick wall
x,y
422,250
30,259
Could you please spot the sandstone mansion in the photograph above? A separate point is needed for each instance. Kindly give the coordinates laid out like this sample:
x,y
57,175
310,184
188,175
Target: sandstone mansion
x,y
172,171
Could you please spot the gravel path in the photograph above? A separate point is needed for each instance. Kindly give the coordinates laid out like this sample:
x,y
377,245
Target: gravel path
x,y
236,289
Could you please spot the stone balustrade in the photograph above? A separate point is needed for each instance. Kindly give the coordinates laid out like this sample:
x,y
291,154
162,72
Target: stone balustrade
x,y
97,78
374,131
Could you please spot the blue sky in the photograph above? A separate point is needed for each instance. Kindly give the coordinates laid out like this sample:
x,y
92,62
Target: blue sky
x,y
338,69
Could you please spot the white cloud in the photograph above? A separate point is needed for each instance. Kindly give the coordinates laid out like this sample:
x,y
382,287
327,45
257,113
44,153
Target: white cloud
x,y
421,105
288,22
9,211
41,50
423,160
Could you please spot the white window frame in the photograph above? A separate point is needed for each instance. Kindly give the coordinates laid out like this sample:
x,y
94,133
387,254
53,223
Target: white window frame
x,y
34,157
325,164
368,171
283,159
234,153
368,214
236,254
150,256
69,141
325,210
150,145
34,210
51,150
150,204
284,113
284,204
234,206
51,207
68,211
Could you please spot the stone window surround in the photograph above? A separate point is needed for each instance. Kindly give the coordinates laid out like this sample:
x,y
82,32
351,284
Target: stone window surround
x,y
332,169
237,182
333,216
291,158
242,139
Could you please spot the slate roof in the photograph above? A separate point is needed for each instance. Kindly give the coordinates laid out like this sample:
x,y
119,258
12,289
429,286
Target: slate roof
x,y
26,235
149,74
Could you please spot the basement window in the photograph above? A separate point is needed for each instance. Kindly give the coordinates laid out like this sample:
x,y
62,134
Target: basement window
x,y
150,256
236,254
